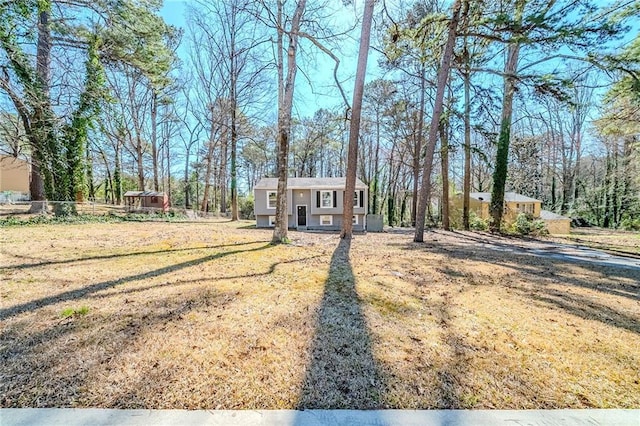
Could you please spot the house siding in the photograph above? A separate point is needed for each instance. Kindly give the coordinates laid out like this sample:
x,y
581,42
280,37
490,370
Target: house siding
x,y
260,203
514,208
558,226
339,203
14,174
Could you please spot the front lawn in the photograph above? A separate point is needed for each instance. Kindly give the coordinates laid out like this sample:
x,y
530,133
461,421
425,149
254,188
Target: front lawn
x,y
210,315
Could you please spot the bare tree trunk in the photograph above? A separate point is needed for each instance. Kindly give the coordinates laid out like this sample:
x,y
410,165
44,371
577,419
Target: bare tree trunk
x,y
443,75
466,187
222,173
233,93
418,149
169,192
187,180
208,170
139,161
356,113
285,105
117,175
391,191
444,156
234,171
154,139
376,170
137,127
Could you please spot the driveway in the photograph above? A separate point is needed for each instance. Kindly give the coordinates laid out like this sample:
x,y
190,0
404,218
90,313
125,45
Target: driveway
x,y
541,248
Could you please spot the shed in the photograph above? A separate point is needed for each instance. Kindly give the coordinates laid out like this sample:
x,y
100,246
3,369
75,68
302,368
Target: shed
x,y
556,224
146,201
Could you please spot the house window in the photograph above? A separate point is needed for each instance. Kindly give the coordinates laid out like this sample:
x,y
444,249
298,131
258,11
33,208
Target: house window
x,y
272,221
154,200
355,219
326,200
271,199
326,220
356,198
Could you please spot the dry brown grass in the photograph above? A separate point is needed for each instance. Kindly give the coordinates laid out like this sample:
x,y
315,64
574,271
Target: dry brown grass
x,y
209,315
618,242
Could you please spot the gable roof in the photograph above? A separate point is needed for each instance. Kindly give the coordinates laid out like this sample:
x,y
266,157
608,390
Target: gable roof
x,y
308,183
509,197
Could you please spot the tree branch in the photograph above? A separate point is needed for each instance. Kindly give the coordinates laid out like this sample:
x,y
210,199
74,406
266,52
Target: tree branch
x,y
21,107
335,59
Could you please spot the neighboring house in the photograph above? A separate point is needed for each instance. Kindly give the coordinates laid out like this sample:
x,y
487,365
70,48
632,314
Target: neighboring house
x,y
15,175
514,204
312,203
146,201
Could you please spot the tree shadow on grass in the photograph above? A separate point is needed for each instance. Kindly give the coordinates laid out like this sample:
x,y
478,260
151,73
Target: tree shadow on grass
x,y
59,358
42,262
94,288
547,270
342,371
51,368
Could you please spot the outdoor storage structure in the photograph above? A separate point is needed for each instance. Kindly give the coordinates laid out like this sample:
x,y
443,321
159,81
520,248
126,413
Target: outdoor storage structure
x,y
15,175
146,201
312,203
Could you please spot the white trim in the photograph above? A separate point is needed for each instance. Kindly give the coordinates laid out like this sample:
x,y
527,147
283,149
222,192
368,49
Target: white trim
x,y
324,216
275,201
356,199
272,221
322,206
306,212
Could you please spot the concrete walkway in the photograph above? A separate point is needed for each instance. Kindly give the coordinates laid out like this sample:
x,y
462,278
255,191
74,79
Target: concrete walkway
x,y
101,417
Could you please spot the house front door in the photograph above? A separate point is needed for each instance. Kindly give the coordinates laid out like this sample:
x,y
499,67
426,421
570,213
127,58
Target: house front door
x,y
302,216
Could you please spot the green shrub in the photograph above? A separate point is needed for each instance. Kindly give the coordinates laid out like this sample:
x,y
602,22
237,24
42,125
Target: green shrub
x,y
539,227
476,223
522,225
65,209
43,219
246,208
525,224
629,224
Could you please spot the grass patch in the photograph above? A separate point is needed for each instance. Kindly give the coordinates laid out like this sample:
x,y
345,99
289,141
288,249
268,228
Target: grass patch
x,y
212,316
72,312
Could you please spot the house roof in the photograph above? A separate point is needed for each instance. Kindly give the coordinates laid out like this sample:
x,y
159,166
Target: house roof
x,y
547,215
308,183
143,194
510,197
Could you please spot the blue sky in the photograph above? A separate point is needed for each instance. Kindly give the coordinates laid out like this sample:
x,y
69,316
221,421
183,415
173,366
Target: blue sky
x,y
320,68
320,71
